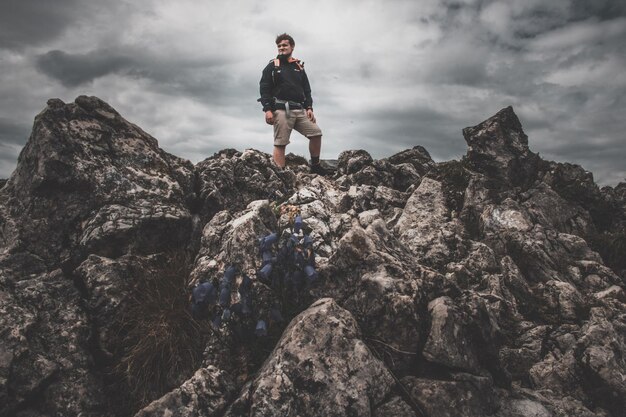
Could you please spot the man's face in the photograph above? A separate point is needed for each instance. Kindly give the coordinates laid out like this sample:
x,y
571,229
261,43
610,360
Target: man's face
x,y
284,48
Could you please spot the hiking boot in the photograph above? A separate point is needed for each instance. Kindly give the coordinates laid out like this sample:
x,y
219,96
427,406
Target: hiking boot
x,y
319,170
288,177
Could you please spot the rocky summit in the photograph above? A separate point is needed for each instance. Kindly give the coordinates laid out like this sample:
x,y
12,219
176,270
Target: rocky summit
x,y
489,286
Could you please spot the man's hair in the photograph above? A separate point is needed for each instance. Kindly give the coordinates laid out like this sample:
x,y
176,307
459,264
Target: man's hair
x,y
283,37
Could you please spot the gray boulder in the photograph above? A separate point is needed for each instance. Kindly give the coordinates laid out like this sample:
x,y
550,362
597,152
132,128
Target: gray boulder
x,y
205,394
498,148
319,367
90,181
448,341
44,350
462,396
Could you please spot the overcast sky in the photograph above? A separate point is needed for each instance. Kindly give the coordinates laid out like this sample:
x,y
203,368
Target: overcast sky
x,y
386,75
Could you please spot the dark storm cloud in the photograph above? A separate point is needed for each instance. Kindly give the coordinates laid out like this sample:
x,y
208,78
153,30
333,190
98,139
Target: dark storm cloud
x,y
438,132
168,74
31,22
192,81
201,79
603,9
76,69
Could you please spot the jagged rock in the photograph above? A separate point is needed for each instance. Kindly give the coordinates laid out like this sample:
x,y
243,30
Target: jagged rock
x,y
612,292
318,202
230,180
399,171
523,299
558,372
498,148
205,394
319,367
600,352
464,396
448,341
572,182
584,363
537,401
387,201
233,240
563,300
351,162
542,253
455,179
396,407
549,209
89,180
523,408
605,207
525,352
108,283
373,277
44,348
425,225
417,156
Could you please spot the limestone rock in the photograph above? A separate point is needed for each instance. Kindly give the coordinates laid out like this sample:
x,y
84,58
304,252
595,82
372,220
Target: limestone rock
x,y
89,180
464,396
396,407
498,148
319,367
44,351
228,240
373,277
425,225
205,394
448,341
400,171
230,180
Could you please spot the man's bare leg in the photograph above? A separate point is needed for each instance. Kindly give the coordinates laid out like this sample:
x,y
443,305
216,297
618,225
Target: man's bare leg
x,y
315,146
279,155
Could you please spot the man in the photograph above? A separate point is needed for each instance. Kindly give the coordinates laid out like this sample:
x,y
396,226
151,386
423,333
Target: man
x,y
287,103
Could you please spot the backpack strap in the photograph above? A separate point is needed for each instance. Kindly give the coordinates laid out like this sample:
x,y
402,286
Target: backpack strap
x,y
276,65
276,61
299,63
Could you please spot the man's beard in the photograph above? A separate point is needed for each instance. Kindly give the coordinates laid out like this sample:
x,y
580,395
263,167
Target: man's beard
x,y
284,58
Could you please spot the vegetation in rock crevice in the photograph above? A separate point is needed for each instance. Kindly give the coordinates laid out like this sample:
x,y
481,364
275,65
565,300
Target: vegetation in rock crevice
x,y
159,342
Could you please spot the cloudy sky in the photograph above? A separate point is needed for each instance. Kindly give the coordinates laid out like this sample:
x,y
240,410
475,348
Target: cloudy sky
x,y
386,75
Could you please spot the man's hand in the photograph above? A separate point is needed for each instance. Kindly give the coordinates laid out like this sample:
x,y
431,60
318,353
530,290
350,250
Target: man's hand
x,y
310,115
269,117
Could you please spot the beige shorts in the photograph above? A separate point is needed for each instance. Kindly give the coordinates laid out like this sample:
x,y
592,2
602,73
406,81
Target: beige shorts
x,y
298,120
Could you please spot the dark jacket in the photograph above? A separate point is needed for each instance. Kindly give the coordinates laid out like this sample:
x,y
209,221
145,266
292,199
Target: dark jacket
x,y
288,81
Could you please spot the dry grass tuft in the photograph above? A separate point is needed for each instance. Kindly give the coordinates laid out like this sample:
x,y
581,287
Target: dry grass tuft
x,y
160,343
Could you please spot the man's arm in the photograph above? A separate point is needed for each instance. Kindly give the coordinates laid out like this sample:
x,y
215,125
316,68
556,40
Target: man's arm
x,y
266,86
308,100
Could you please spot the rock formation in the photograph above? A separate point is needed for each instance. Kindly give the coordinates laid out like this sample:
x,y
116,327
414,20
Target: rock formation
x,y
489,286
